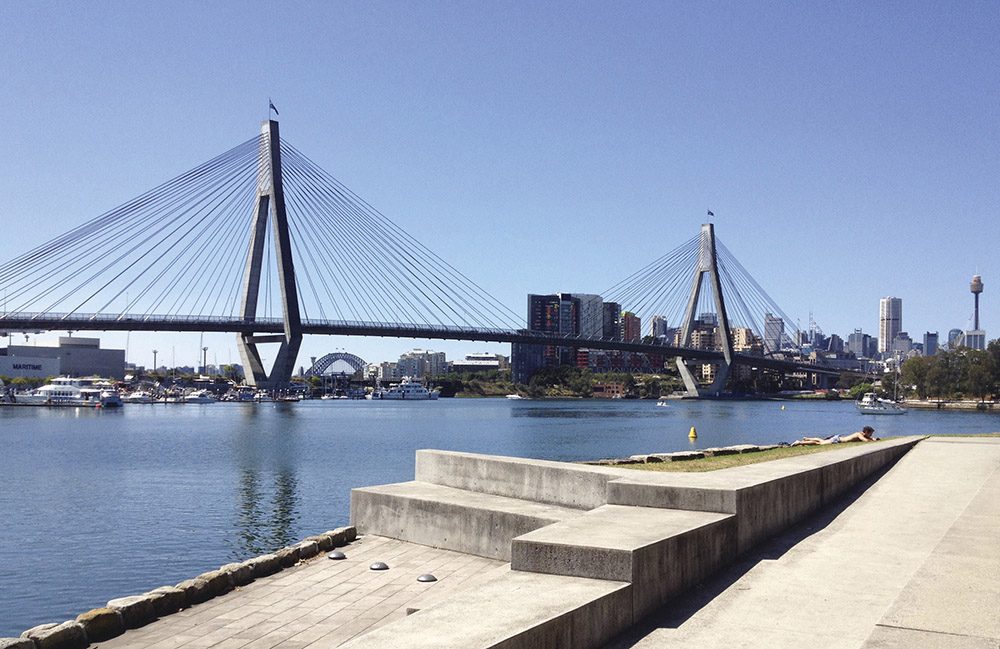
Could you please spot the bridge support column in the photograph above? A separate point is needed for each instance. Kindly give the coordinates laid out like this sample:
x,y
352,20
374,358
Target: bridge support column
x,y
707,264
270,194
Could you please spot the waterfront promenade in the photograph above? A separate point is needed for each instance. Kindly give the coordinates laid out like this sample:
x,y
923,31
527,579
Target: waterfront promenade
x,y
911,561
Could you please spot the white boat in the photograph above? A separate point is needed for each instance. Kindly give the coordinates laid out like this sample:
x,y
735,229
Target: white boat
x,y
200,396
514,396
68,391
409,389
872,405
139,396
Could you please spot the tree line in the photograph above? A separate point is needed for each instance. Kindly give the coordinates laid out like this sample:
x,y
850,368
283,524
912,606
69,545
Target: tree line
x,y
960,373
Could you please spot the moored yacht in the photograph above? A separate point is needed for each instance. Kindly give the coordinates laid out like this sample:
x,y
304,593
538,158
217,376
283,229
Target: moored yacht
x,y
872,405
409,389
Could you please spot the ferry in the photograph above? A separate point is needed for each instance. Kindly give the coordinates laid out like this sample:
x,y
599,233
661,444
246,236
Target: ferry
x,y
409,389
67,391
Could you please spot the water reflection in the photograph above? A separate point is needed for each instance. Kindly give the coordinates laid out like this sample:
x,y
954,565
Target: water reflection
x,y
267,500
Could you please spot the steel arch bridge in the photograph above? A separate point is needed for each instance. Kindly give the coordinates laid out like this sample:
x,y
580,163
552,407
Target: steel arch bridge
x,y
321,365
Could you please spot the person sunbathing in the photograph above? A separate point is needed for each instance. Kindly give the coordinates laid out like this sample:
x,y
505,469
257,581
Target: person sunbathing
x,y
866,434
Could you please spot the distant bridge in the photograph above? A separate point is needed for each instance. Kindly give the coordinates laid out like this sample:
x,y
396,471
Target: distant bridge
x,y
254,241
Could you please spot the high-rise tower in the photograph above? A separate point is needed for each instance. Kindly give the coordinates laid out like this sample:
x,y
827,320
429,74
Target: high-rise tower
x,y
890,321
976,338
976,287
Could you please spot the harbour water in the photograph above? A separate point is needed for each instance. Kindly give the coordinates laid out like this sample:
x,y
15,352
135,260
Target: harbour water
x,y
98,504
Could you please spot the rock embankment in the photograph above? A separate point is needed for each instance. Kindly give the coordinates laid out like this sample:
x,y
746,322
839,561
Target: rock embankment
x,y
682,456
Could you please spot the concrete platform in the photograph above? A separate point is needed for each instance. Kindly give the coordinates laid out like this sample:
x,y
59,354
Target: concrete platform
x,y
519,610
660,552
913,561
445,517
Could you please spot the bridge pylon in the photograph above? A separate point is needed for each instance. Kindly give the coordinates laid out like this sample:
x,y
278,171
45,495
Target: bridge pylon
x,y
707,263
270,198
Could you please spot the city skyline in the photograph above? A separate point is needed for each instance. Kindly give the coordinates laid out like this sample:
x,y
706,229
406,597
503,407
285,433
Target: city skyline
x,y
834,145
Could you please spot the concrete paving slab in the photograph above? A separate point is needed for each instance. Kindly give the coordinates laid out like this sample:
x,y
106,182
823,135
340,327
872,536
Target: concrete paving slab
x,y
517,610
903,553
318,601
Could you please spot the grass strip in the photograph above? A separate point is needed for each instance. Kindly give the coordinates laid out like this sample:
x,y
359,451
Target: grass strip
x,y
717,462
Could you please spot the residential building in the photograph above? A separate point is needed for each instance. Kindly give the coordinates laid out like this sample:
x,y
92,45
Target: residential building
x,y
612,321
419,363
590,315
631,327
746,342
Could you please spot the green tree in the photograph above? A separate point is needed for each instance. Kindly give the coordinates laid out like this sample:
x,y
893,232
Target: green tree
x,y
978,374
915,373
859,390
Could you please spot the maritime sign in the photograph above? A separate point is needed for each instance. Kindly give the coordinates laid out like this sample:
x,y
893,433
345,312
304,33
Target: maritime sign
x,y
13,367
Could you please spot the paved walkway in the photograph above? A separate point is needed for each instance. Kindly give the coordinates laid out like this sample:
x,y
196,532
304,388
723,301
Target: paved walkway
x,y
912,562
320,601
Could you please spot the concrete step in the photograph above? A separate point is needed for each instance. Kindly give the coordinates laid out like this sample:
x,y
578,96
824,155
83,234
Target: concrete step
x,y
445,517
661,552
515,611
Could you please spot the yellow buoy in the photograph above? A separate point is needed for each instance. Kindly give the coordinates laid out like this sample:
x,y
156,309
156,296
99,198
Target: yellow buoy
x,y
782,407
693,434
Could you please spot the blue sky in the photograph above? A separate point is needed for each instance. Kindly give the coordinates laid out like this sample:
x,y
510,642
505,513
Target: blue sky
x,y
848,150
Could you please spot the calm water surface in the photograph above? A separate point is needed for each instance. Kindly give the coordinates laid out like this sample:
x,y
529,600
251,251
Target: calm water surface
x,y
101,504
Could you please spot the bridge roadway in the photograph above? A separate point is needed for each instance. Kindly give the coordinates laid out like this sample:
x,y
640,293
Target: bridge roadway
x,y
275,326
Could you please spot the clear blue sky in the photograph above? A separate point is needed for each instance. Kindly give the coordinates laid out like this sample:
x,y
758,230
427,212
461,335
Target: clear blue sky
x,y
848,150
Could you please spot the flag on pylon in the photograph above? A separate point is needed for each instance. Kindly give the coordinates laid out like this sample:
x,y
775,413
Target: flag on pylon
x,y
271,106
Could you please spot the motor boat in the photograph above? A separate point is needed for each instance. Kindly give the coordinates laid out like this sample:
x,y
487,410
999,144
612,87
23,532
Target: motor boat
x,y
200,396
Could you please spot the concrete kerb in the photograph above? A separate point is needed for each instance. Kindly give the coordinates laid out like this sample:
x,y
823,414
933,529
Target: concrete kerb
x,y
138,610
